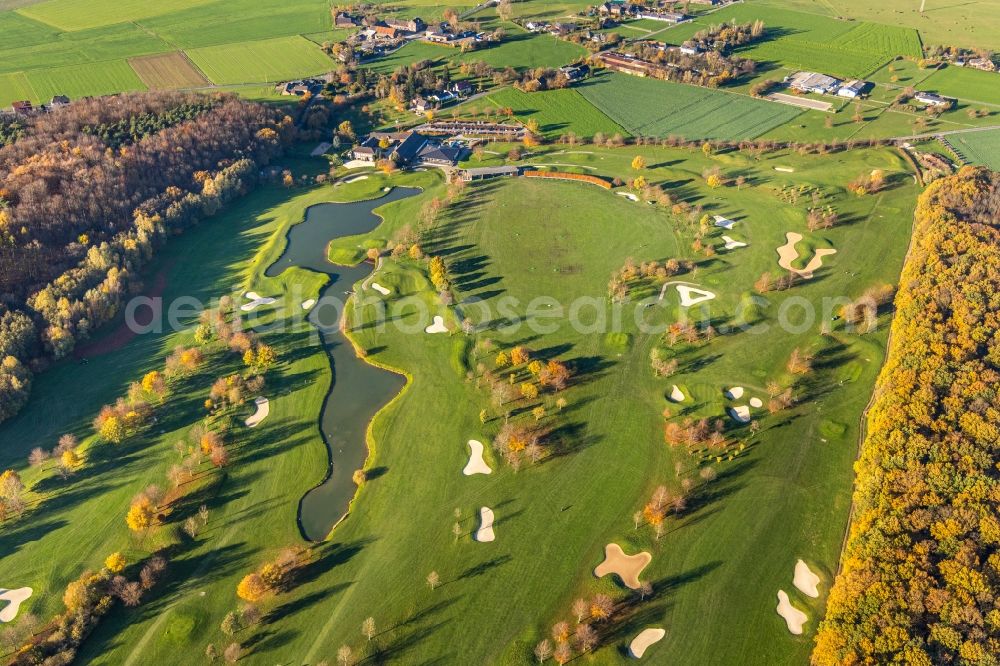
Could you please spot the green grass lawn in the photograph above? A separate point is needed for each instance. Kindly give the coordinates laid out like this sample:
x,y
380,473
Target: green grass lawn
x,y
717,569
87,46
556,111
260,61
15,87
979,147
649,107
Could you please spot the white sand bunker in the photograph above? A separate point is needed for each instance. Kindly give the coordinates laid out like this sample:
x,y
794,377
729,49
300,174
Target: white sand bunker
x,y
12,600
734,393
787,254
641,643
626,567
476,464
354,179
263,409
256,300
693,296
732,244
756,403
380,289
438,326
628,195
308,303
740,413
794,618
723,222
485,532
676,394
785,169
805,580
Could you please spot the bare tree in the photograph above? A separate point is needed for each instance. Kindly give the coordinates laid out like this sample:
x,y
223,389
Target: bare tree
x,y
345,656
368,628
586,637
433,579
580,609
543,650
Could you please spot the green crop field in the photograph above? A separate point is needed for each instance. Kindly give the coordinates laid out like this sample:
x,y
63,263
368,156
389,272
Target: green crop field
x,y
968,85
659,108
14,87
100,78
979,147
969,24
75,15
556,111
72,48
265,60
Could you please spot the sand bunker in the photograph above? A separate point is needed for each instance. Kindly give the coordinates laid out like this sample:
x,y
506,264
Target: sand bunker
x,y
756,403
805,580
628,195
740,413
794,618
676,394
256,300
438,326
626,567
12,600
485,532
380,289
732,244
646,637
308,303
724,222
692,296
476,464
734,393
785,169
263,409
354,179
787,254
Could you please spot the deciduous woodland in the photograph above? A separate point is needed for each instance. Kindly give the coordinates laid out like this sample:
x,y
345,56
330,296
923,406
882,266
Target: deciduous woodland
x,y
89,192
921,570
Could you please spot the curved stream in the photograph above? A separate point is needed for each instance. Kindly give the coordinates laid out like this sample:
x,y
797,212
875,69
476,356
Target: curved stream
x,y
358,389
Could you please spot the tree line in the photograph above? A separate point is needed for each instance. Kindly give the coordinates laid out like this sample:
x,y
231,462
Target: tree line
x,y
921,567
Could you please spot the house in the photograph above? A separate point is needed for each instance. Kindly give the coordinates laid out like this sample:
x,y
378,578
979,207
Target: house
x,y
435,154
59,101
853,88
536,26
561,29
627,64
984,64
343,20
931,99
813,82
482,173
22,107
438,36
658,15
413,25
386,31
421,104
460,88
575,72
690,48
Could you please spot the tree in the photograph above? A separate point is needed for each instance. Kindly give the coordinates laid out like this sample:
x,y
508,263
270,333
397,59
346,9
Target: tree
x,y
359,477
562,653
543,650
560,632
211,653
112,430
433,579
232,653
252,587
645,590
586,637
580,609
231,624
529,391
368,628
714,180
140,515
115,562
345,656
638,162
601,607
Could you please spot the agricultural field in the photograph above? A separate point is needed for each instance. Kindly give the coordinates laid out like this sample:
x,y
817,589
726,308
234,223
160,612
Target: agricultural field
x,y
14,87
970,86
73,48
978,147
70,15
261,61
556,111
972,25
101,78
170,71
660,108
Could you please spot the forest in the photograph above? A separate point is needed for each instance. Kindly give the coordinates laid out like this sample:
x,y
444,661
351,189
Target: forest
x,y
88,192
921,568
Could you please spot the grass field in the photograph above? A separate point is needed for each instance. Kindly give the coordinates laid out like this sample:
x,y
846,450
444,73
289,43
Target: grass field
x,y
80,80
72,15
556,111
14,87
168,71
968,85
979,147
785,496
261,61
971,24
660,108
73,48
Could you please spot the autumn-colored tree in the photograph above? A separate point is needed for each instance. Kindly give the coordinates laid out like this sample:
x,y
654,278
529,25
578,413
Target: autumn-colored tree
x,y
519,355
638,162
140,515
115,562
502,360
368,628
580,609
529,391
252,587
